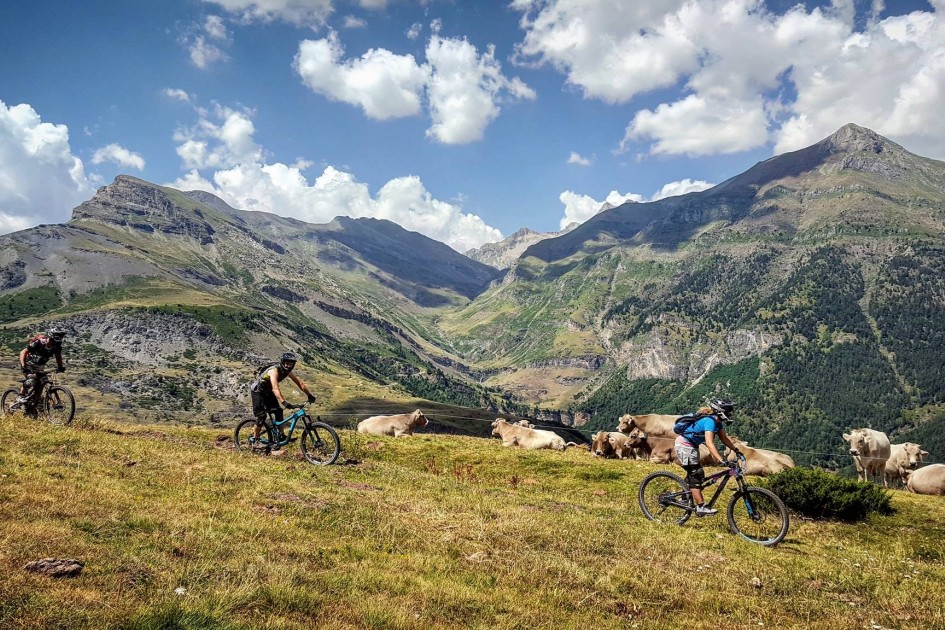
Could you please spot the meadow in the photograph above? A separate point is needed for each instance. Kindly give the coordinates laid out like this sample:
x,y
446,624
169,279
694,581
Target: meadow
x,y
176,530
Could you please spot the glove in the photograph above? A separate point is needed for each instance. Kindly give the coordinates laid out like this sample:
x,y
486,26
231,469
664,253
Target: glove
x,y
60,370
287,404
311,398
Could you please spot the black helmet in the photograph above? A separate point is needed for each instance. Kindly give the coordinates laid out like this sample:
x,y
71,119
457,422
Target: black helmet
x,y
56,333
289,357
722,407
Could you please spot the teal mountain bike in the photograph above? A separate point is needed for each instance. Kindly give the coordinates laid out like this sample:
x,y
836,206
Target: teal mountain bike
x,y
320,444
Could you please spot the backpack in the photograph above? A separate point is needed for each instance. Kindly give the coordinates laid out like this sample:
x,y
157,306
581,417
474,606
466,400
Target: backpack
x,y
684,423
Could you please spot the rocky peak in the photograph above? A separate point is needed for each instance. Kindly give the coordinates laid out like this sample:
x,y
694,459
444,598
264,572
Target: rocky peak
x,y
852,138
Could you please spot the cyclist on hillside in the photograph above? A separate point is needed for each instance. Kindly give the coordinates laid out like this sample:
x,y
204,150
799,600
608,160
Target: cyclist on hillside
x,y
34,357
711,422
267,396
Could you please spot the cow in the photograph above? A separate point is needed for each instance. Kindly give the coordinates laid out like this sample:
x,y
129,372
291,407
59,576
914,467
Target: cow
x,y
638,443
516,435
902,457
657,431
870,450
611,443
396,425
525,423
759,461
927,480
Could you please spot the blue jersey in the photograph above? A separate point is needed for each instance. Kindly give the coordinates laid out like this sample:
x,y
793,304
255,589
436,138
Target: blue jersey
x,y
695,434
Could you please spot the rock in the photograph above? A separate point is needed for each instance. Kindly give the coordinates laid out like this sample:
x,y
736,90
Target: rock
x,y
54,567
756,582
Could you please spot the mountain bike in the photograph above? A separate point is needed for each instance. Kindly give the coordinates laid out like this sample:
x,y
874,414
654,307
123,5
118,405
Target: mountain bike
x,y
55,402
756,514
320,444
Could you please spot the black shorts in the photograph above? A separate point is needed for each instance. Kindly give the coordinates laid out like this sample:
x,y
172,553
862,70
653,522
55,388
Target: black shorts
x,y
265,402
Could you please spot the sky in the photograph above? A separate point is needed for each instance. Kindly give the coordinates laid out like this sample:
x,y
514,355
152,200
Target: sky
x,y
462,120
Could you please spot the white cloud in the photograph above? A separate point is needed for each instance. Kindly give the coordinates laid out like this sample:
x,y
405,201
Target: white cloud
x,y
682,187
40,179
383,84
244,178
214,27
311,13
463,87
579,208
577,158
374,5
748,74
414,31
203,53
177,95
352,21
119,155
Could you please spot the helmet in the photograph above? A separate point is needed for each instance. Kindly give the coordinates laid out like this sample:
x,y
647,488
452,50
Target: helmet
x,y
722,407
289,357
56,333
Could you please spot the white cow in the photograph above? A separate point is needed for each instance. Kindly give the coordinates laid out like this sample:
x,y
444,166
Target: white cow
x,y
759,461
902,458
396,425
517,435
870,450
927,480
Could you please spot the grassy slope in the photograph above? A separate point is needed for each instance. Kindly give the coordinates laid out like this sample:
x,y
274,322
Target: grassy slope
x,y
423,532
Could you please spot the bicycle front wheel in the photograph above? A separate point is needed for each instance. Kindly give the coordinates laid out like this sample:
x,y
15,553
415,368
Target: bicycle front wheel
x,y
758,515
244,437
662,495
320,444
58,405
7,400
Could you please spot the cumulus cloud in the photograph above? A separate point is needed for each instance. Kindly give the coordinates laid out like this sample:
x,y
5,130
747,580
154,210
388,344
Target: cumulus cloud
x,y
199,42
577,158
214,27
414,31
381,83
579,208
749,75
177,95
40,179
312,13
463,88
352,21
119,155
242,175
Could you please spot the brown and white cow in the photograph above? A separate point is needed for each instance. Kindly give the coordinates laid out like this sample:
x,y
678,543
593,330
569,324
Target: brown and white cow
x,y
759,461
516,435
658,433
525,423
612,444
927,480
902,458
396,425
870,450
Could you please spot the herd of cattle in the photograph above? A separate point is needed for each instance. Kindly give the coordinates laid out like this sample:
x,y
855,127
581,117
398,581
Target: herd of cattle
x,y
651,437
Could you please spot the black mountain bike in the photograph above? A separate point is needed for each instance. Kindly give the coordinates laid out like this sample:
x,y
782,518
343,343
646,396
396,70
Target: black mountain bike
x,y
54,402
756,514
320,443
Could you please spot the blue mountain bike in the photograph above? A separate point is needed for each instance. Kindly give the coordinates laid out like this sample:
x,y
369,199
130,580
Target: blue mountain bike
x,y
320,444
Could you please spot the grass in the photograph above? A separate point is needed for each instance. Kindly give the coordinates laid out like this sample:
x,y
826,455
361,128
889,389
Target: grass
x,y
422,532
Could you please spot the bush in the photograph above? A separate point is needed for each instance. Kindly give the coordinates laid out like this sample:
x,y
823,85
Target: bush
x,y
819,494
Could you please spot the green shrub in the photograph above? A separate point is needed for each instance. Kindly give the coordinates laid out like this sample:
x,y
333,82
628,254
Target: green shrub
x,y
819,494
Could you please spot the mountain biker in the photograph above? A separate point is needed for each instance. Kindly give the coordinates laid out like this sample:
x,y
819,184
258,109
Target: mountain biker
x,y
267,396
35,355
703,431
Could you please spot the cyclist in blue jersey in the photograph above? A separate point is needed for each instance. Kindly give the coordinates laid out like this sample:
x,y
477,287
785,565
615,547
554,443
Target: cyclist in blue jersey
x,y
703,431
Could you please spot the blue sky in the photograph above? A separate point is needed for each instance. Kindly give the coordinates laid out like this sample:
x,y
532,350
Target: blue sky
x,y
461,120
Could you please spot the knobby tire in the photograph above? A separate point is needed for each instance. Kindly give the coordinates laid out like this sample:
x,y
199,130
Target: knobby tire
x,y
58,405
243,437
657,485
320,444
8,398
770,521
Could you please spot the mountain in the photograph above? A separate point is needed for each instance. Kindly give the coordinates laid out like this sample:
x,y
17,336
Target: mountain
x,y
175,296
503,254
810,288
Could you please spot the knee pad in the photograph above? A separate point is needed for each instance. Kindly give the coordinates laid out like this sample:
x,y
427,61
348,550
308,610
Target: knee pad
x,y
695,477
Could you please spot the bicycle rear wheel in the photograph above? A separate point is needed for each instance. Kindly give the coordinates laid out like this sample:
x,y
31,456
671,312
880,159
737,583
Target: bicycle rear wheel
x,y
7,400
758,515
244,440
320,444
58,405
657,494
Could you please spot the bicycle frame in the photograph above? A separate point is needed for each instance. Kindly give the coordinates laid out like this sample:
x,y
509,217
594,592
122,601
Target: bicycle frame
x,y
724,476
293,419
